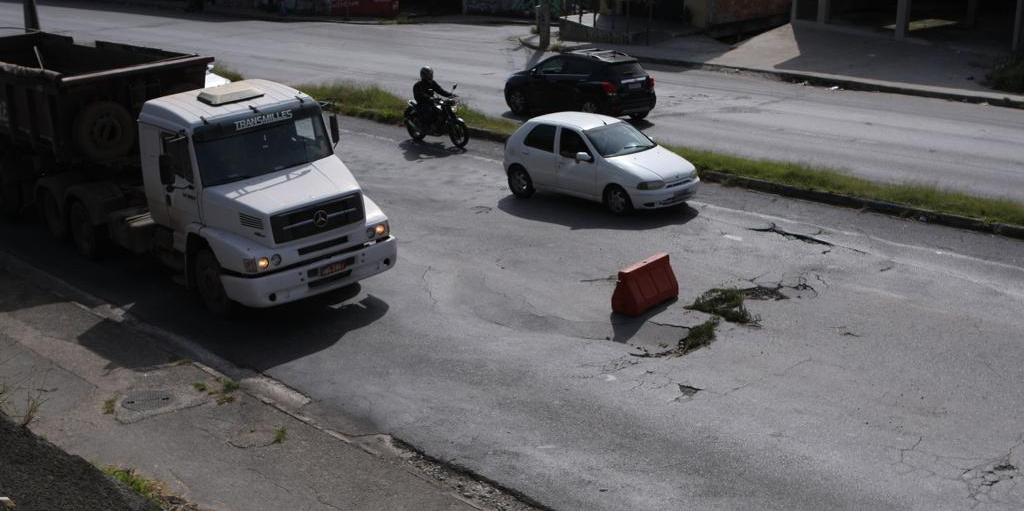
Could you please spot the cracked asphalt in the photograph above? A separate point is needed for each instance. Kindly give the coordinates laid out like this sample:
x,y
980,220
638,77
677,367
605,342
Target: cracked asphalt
x,y
892,381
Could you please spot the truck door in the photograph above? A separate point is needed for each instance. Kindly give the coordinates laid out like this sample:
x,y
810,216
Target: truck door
x,y
180,194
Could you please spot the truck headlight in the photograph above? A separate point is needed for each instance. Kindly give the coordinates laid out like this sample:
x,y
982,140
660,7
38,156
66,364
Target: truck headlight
x,y
256,264
378,231
651,185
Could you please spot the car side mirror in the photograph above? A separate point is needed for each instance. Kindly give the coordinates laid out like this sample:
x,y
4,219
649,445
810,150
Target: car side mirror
x,y
335,131
166,172
582,156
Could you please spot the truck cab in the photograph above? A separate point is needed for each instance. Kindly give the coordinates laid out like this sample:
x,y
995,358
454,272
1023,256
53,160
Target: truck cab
x,y
245,195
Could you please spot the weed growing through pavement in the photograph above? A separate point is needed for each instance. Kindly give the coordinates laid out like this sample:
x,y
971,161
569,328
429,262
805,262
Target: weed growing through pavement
x,y
228,385
280,434
199,386
108,406
726,303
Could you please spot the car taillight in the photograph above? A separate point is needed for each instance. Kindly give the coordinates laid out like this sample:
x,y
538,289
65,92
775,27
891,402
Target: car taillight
x,y
649,83
608,87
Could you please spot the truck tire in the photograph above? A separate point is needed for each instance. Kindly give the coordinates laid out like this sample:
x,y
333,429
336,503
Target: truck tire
x,y
209,286
89,239
104,130
50,212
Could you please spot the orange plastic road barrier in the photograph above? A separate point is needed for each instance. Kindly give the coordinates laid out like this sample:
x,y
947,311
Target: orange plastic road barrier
x,y
644,285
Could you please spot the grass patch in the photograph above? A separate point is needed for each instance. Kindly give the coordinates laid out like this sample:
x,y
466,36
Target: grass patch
x,y
228,386
1007,75
726,303
200,386
227,72
372,102
108,406
699,336
145,487
986,209
280,434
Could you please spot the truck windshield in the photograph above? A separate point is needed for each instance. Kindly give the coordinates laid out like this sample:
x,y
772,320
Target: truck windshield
x,y
263,150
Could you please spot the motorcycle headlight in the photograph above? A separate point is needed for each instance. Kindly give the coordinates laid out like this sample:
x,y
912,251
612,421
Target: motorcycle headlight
x,y
651,185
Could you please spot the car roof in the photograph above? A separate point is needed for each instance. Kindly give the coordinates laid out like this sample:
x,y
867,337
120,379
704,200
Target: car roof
x,y
609,56
578,120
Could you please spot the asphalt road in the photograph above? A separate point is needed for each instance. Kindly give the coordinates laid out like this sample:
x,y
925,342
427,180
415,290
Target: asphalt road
x,y
879,136
888,377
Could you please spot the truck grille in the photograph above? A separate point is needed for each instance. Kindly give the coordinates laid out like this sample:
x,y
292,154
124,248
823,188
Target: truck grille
x,y
252,222
318,218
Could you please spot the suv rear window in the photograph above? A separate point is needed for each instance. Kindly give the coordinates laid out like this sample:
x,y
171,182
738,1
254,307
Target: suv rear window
x,y
626,70
542,137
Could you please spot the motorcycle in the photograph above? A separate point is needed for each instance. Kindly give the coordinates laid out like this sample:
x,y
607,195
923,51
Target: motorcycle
x,y
446,121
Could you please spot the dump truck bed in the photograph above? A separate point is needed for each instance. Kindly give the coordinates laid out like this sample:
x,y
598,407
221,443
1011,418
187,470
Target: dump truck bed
x,y
48,82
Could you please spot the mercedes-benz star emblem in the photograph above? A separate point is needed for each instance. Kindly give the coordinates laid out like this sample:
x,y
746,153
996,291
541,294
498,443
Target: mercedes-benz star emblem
x,y
320,218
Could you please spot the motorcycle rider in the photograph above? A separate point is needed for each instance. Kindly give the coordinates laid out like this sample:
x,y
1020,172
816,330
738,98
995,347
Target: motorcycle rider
x,y
423,92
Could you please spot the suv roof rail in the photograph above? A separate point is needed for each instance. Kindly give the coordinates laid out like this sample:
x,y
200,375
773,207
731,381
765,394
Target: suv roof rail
x,y
602,54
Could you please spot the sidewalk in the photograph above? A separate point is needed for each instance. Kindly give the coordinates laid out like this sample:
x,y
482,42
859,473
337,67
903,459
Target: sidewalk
x,y
832,58
111,395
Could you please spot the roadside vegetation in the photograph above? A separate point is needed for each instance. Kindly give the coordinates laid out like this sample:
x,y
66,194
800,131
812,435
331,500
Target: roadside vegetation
x,y
726,303
1008,75
227,72
375,103
145,487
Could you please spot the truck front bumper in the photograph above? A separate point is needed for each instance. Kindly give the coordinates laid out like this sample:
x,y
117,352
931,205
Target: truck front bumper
x,y
304,281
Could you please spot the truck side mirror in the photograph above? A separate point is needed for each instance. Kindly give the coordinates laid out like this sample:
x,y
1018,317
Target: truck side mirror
x,y
335,131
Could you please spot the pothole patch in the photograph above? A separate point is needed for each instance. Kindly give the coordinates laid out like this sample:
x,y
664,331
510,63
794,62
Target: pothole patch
x,y
252,436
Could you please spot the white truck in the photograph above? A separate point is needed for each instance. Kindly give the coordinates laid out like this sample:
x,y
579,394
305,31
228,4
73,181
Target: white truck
x,y
236,186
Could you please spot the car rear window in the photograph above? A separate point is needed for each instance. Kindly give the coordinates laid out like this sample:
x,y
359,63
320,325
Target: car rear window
x,y
542,137
626,70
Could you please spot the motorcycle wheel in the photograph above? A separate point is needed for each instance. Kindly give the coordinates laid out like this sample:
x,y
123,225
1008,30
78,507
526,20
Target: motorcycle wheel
x,y
459,134
414,131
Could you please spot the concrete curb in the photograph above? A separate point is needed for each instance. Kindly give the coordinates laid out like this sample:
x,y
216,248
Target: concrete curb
x,y
830,198
818,80
877,206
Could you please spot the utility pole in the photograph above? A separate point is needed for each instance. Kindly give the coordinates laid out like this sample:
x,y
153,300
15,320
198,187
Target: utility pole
x,y
544,24
31,16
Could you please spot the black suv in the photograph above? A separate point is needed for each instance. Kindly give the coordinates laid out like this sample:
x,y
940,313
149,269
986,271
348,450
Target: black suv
x,y
603,81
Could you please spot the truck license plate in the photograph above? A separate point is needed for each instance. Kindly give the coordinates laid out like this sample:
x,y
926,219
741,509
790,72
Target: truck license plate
x,y
332,268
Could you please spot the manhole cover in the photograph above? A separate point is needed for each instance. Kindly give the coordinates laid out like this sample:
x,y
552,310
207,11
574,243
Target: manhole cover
x,y
147,400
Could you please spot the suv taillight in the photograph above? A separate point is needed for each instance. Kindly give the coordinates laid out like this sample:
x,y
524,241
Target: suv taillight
x,y
650,82
608,88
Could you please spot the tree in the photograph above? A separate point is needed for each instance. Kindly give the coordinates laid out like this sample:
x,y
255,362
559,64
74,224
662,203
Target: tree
x,y
544,24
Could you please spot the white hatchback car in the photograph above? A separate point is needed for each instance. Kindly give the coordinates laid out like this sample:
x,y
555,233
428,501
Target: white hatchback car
x,y
599,158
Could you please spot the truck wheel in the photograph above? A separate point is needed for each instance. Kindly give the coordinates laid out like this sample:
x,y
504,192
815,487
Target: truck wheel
x,y
10,189
211,289
49,210
89,239
104,130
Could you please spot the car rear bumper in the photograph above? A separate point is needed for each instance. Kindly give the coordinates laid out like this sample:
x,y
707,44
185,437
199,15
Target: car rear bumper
x,y
632,104
298,283
665,197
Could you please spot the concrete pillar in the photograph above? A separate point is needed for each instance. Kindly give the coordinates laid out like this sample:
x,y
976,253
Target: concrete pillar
x,y
792,11
824,6
903,18
1018,27
972,13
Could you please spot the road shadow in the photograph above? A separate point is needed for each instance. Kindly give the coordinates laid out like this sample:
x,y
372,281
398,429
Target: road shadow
x,y
427,150
578,214
165,9
625,328
255,338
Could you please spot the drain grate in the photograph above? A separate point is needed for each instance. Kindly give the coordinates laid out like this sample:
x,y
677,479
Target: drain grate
x,y
147,400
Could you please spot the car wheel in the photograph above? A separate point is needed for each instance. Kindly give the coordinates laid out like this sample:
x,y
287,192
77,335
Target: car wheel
x,y
89,239
211,289
589,106
517,102
639,116
617,200
519,182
